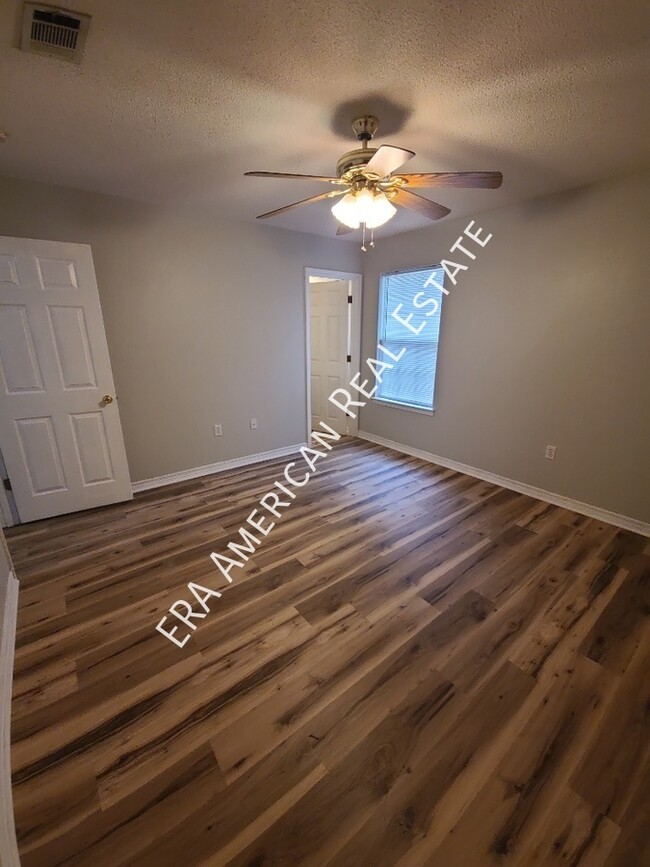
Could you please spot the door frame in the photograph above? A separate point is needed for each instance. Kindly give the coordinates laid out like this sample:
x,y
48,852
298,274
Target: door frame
x,y
355,283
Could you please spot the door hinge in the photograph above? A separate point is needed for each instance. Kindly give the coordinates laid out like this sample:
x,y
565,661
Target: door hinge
x,y
6,484
349,358
349,299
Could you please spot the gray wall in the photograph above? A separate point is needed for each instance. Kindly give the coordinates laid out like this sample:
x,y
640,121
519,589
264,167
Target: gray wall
x,y
546,339
205,320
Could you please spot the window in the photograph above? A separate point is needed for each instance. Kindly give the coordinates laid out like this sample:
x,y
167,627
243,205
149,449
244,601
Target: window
x,y
411,381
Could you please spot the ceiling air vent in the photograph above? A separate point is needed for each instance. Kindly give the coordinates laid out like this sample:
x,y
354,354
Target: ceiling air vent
x,y
57,32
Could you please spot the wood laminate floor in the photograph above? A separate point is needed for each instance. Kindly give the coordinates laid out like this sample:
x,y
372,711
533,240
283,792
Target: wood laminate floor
x,y
415,668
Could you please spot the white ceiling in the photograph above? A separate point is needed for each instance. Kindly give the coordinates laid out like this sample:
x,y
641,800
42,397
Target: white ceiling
x,y
175,99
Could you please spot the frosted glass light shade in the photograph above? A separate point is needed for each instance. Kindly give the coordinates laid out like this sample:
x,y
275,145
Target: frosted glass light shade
x,y
380,212
365,205
345,211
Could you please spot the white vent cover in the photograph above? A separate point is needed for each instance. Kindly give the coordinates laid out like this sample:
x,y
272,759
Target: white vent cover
x,y
58,32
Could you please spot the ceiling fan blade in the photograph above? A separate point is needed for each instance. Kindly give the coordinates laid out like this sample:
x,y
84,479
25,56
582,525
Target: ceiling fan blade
x,y
290,175
474,180
308,201
423,206
387,159
343,229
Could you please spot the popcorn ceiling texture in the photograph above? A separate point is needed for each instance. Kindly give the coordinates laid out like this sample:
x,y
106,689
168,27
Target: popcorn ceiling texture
x,y
175,100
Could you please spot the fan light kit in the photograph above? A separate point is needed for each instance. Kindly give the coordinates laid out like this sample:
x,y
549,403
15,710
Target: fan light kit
x,y
371,190
372,209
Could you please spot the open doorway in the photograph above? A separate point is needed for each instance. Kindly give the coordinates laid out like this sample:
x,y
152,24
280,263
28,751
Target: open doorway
x,y
333,340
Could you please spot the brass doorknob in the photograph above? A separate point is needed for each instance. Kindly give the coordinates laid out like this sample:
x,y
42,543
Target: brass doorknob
x,y
107,399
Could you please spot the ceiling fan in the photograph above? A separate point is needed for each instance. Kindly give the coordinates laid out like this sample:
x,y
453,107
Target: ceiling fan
x,y
370,189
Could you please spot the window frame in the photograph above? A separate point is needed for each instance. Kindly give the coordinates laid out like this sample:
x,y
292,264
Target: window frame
x,y
382,401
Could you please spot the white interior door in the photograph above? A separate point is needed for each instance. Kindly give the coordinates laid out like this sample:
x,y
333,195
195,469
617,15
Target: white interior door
x,y
61,440
329,348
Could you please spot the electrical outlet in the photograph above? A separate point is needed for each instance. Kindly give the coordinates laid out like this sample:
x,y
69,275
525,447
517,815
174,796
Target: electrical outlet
x,y
253,424
218,431
549,454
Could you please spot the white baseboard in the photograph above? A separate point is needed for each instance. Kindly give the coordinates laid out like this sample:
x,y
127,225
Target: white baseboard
x,y
210,469
617,520
8,844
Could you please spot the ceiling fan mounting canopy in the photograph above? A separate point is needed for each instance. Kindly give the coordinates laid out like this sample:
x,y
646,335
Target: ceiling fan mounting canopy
x,y
365,126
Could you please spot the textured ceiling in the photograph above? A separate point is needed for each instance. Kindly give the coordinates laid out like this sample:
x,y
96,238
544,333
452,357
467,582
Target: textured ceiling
x,y
175,99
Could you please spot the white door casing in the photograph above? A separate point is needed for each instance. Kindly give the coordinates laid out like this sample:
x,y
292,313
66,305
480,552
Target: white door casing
x,y
329,348
354,285
62,443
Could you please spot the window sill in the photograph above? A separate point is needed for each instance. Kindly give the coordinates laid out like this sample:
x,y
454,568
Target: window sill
x,y
392,403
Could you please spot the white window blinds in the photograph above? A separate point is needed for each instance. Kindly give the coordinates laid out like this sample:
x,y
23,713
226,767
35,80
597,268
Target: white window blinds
x,y
411,382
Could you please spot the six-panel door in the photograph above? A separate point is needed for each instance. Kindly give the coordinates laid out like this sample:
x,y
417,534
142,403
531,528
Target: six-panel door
x,y
62,442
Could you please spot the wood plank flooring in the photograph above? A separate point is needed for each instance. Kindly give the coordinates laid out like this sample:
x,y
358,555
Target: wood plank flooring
x,y
414,668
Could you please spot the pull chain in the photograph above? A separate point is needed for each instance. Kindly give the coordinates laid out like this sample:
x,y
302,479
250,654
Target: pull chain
x,y
363,237
372,237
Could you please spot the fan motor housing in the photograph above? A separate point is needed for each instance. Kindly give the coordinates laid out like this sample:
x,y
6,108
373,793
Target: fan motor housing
x,y
354,159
